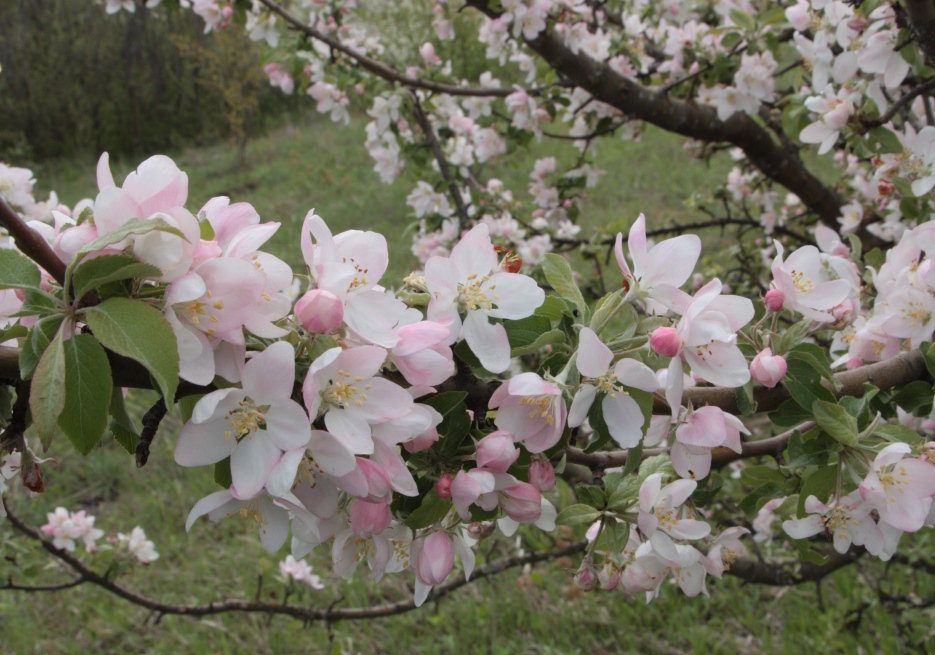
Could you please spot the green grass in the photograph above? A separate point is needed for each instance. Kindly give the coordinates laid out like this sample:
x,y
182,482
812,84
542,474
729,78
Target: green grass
x,y
310,164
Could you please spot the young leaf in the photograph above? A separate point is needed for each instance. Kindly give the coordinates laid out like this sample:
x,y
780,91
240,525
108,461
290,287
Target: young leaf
x,y
821,484
576,515
835,420
136,330
559,274
127,229
88,386
17,270
47,392
36,343
433,509
109,268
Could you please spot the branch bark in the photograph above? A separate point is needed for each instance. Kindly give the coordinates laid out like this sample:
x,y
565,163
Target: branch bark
x,y
921,15
31,243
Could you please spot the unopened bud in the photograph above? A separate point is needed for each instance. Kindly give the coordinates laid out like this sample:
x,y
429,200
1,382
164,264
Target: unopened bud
x,y
443,486
774,300
768,369
666,341
586,576
542,475
319,311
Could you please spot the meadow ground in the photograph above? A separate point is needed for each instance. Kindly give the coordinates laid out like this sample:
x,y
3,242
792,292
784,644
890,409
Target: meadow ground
x,y
305,164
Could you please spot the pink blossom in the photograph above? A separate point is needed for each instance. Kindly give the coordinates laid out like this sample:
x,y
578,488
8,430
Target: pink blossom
x,y
496,451
542,475
320,311
774,300
532,409
666,342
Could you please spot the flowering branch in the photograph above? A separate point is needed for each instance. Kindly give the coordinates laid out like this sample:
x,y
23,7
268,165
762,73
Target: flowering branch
x,y
31,243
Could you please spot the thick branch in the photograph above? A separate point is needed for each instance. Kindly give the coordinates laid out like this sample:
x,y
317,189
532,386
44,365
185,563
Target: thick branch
x,y
31,243
792,573
330,614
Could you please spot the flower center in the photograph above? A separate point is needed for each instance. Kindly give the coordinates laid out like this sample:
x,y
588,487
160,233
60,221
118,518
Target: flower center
x,y
542,408
344,392
244,421
802,285
472,297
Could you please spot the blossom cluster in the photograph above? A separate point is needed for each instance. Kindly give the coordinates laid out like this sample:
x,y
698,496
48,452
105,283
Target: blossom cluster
x,y
66,528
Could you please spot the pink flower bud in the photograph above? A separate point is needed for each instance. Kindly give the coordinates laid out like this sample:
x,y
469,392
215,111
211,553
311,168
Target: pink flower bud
x,y
522,502
609,576
846,312
497,452
370,518
586,576
774,300
853,362
434,556
542,475
666,341
768,369
319,311
423,442
359,89
227,12
858,23
443,486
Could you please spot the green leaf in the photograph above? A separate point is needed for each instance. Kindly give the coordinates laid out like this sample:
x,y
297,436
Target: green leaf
x,y
88,386
606,308
47,392
18,271
577,515
928,353
821,484
136,330
222,473
815,356
37,302
803,452
804,383
886,139
207,230
552,337
655,464
591,495
599,425
634,457
745,401
455,423
754,476
835,420
793,336
894,432
36,343
559,275
789,415
446,402
915,397
433,509
553,308
743,19
121,425
109,268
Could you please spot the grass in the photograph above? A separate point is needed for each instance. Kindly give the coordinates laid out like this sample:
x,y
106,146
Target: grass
x,y
309,164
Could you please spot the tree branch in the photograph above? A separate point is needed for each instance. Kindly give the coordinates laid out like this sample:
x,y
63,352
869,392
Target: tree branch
x,y
31,243
791,573
444,168
908,97
86,574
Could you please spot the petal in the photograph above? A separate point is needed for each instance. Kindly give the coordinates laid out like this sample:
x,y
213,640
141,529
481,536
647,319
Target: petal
x,y
287,425
624,419
270,375
203,444
488,342
594,357
252,462
581,404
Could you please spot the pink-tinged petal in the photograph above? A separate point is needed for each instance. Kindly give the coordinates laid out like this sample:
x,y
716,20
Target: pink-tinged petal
x,y
671,261
331,455
842,540
112,208
676,493
514,295
921,476
665,547
738,310
400,478
287,425
105,178
354,483
196,359
274,527
208,504
441,279
530,384
675,383
489,342
649,491
636,374
581,404
624,419
474,253
282,477
269,376
690,462
907,513
419,419
466,554
704,427
621,260
362,361
369,252
385,401
826,295
351,429
415,338
251,463
157,184
185,289
704,297
375,316
594,357
691,580
804,528
324,250
421,593
690,529
249,239
721,364
203,444
636,244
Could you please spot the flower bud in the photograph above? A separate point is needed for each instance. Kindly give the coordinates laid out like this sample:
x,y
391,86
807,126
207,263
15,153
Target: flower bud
x,y
434,558
319,311
609,576
774,300
423,442
370,518
497,451
858,23
522,502
227,12
542,475
586,576
479,530
845,312
666,341
443,486
853,362
768,369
